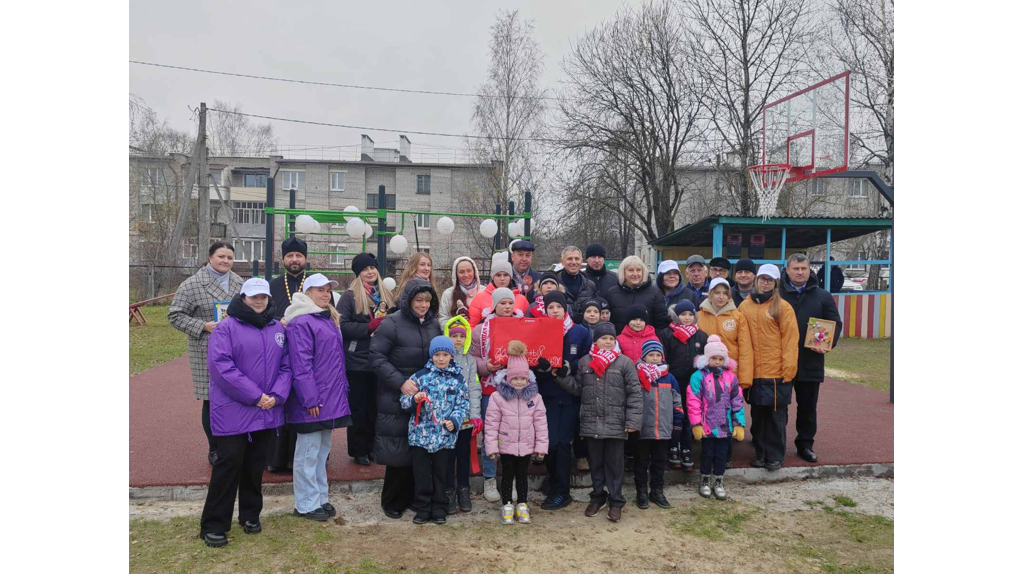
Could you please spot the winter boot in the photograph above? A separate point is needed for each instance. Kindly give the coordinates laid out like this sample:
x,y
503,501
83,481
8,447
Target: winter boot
x,y
720,488
687,461
658,497
491,490
642,501
674,459
704,489
449,495
465,504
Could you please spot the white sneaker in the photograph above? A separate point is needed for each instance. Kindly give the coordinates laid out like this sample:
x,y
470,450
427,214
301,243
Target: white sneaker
x,y
491,490
507,514
523,513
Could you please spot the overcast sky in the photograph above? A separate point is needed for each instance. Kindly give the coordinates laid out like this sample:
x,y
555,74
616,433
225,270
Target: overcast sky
x,y
413,45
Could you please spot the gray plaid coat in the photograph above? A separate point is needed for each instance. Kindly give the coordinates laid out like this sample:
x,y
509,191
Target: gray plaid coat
x,y
193,306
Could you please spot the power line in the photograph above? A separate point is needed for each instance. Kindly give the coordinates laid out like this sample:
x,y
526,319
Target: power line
x,y
330,84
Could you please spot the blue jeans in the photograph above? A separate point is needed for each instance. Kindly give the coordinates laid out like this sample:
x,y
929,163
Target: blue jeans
x,y
310,470
488,467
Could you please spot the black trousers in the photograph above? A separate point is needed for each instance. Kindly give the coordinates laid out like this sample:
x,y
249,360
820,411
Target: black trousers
x,y
428,473
458,461
399,488
607,466
650,460
579,445
768,431
239,471
207,428
514,468
563,425
714,453
281,452
806,413
362,399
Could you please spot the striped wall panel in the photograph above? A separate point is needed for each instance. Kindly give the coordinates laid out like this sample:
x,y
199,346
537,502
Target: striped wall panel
x,y
868,316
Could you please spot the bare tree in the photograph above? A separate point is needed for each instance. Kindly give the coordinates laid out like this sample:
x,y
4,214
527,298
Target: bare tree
x,y
748,53
630,114
508,117
233,134
149,134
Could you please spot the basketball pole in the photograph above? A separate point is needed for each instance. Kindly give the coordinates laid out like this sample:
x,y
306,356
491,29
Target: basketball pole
x,y
887,192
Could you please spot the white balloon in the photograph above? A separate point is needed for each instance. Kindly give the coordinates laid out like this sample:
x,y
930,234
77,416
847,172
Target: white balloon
x,y
354,227
306,224
351,208
445,225
368,233
488,228
399,244
513,229
389,283
521,226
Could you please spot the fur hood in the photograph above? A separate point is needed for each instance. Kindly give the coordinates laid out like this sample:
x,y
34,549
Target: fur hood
x,y
301,305
509,393
706,305
702,361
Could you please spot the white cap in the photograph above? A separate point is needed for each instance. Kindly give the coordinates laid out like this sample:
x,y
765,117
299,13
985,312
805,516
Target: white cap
x,y
318,280
718,281
668,265
769,270
255,286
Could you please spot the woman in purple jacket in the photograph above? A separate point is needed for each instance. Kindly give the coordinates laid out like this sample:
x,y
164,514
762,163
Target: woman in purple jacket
x,y
319,399
250,381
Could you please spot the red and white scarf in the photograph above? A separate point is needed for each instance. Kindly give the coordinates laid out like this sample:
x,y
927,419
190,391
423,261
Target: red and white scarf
x,y
683,332
600,359
566,324
650,373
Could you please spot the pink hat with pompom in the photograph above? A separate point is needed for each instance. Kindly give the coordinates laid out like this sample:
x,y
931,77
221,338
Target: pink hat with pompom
x,y
716,348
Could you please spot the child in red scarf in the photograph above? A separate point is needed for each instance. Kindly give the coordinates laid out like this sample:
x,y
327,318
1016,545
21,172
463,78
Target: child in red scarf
x,y
636,332
683,342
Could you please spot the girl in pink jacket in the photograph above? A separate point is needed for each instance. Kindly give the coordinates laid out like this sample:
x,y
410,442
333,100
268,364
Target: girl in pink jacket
x,y
516,427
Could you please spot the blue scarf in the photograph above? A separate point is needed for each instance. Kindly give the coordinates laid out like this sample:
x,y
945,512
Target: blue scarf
x,y
221,279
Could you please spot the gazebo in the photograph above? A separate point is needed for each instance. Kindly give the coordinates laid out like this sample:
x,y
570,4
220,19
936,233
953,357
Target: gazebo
x,y
866,314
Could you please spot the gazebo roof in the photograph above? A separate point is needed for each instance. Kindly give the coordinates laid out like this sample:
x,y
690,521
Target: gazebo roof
x,y
801,232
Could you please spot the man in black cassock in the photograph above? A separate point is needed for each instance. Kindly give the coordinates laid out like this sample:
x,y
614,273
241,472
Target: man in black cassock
x,y
282,289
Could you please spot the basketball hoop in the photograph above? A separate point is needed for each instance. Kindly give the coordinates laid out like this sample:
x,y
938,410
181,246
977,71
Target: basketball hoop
x,y
768,180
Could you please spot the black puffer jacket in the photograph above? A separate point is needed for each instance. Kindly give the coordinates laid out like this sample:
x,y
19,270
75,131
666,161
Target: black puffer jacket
x,y
355,328
603,280
587,291
813,301
680,356
646,295
609,404
398,348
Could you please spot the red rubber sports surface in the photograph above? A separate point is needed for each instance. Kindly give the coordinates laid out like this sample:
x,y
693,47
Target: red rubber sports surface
x,y
167,447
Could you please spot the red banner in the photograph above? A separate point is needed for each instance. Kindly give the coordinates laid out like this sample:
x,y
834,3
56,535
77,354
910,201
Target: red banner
x,y
542,336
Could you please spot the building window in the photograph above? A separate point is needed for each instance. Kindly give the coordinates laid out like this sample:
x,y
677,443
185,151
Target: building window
x,y
386,227
337,181
216,177
251,212
255,180
371,201
422,184
422,221
817,188
857,188
154,176
246,249
861,256
337,259
190,251
293,180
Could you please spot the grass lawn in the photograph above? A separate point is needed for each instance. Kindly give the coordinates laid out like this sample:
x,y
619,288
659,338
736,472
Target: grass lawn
x,y
861,361
695,536
155,342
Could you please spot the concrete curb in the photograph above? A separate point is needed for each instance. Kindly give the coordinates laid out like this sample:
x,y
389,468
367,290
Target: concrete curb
x,y
741,475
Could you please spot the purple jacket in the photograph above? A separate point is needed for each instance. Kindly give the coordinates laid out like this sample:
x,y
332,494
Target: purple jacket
x,y
316,355
244,363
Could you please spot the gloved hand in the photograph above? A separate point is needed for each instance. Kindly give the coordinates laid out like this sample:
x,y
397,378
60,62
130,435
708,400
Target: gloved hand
x,y
543,364
374,323
478,425
563,371
737,433
698,432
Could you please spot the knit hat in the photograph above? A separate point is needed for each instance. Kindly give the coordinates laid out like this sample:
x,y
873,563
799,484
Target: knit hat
x,y
441,343
362,261
745,265
594,250
720,262
716,348
651,345
603,302
293,244
518,366
501,293
457,330
499,266
591,303
547,276
684,306
556,296
718,281
636,312
603,328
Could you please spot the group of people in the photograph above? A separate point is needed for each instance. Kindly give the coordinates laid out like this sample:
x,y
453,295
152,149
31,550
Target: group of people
x,y
649,365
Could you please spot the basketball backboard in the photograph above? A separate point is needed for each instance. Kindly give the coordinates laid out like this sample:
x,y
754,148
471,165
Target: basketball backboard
x,y
809,129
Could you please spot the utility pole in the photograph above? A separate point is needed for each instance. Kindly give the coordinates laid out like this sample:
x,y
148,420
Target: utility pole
x,y
204,185
174,251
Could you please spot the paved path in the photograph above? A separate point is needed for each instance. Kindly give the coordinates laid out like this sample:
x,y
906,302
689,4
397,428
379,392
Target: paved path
x,y
167,446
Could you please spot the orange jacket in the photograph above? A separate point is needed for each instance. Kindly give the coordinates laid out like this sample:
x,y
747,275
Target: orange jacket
x,y
776,343
731,326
